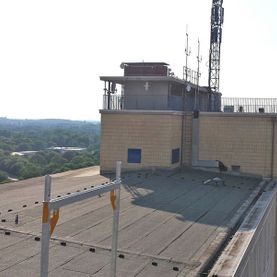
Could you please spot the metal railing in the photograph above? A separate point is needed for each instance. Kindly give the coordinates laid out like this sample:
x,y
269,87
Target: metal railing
x,y
190,75
152,102
142,102
50,215
249,105
113,102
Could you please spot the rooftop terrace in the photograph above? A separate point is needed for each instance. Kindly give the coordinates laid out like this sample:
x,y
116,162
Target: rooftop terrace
x,y
171,223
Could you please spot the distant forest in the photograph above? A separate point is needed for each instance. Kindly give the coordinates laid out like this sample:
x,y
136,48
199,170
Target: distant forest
x,y
39,135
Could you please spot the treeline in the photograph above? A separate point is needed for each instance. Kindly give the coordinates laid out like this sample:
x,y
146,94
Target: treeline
x,y
28,135
25,135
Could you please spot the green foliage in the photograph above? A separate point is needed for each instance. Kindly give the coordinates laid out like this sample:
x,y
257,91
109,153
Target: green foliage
x,y
39,135
3,176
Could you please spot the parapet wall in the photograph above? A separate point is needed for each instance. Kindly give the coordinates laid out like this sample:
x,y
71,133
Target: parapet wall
x,y
246,141
252,250
243,142
154,133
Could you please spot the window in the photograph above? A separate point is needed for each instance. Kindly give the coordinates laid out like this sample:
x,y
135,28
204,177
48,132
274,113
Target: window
x,y
175,156
134,155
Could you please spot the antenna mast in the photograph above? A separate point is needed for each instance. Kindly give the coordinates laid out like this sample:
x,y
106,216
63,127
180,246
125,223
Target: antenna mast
x,y
188,52
199,60
217,17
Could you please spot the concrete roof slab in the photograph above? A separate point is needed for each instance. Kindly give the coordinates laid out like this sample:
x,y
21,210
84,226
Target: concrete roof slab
x,y
170,218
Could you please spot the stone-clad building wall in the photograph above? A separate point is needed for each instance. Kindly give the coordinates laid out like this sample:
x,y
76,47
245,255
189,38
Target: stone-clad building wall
x,y
274,156
156,133
245,140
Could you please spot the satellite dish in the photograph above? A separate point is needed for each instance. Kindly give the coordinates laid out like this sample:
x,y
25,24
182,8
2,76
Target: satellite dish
x,y
122,65
188,88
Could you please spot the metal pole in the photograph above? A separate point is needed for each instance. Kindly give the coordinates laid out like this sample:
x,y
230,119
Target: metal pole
x,y
109,95
45,234
196,95
116,221
188,52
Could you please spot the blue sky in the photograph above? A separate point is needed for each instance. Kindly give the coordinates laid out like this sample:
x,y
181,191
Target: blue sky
x,y
52,53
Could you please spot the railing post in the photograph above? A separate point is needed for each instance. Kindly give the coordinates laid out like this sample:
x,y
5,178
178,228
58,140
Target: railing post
x,y
45,234
116,221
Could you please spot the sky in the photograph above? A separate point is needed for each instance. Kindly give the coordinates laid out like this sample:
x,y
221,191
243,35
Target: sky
x,y
53,52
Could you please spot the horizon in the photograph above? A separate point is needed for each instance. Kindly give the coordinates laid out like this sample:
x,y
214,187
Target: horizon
x,y
37,119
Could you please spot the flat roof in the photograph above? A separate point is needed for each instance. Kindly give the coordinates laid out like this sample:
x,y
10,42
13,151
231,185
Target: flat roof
x,y
151,112
169,223
145,63
124,79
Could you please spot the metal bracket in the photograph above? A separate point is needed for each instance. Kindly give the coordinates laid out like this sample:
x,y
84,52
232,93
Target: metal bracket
x,y
54,219
113,199
45,212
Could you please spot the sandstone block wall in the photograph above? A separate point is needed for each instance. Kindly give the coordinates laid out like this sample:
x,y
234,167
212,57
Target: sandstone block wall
x,y
245,140
156,134
239,139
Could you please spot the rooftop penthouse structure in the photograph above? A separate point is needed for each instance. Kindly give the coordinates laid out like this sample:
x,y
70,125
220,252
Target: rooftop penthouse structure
x,y
153,86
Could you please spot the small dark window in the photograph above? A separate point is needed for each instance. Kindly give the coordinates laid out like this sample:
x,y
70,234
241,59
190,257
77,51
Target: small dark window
x,y
175,157
134,156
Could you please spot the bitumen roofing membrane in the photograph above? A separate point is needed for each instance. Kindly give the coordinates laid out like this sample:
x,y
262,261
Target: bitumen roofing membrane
x,y
170,223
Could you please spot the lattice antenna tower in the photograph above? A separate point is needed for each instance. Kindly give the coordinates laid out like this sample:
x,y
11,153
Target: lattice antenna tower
x,y
217,17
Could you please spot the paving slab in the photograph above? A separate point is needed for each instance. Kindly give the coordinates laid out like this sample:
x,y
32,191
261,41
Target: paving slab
x,y
88,262
7,240
28,264
67,273
23,249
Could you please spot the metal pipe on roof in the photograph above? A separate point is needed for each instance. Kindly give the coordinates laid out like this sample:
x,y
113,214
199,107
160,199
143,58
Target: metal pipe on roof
x,y
45,234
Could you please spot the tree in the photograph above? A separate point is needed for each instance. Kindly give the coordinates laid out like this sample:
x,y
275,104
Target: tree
x,y
22,135
3,176
30,170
